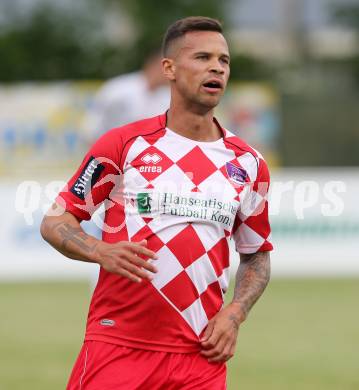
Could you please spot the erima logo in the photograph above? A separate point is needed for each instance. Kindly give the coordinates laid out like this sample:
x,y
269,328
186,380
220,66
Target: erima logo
x,y
107,322
88,177
151,158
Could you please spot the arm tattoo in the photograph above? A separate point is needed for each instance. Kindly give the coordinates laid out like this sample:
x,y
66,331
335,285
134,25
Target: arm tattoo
x,y
73,235
234,321
251,279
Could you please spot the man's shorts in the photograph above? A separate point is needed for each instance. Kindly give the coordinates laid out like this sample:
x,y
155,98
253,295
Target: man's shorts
x,y
104,366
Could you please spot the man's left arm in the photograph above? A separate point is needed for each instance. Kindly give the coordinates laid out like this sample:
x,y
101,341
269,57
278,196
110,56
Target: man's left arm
x,y
220,337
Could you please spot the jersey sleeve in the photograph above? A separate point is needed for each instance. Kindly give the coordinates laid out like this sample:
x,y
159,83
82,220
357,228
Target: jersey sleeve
x,y
98,174
252,229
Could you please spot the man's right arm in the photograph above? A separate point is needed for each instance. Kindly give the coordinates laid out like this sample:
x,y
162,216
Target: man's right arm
x,y
63,231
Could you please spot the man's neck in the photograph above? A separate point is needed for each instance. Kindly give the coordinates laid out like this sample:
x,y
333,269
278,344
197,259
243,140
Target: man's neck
x,y
193,125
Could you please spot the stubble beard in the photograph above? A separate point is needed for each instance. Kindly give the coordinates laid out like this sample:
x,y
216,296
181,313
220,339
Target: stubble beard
x,y
197,101
203,104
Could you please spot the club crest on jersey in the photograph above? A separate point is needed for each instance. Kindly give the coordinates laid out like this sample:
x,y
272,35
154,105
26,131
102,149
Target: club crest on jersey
x,y
236,174
87,178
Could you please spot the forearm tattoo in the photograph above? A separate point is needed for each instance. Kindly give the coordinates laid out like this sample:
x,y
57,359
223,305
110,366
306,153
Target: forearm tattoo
x,y
75,236
251,279
235,321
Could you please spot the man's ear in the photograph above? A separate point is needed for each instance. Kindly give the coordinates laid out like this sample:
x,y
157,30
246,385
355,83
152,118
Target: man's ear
x,y
169,69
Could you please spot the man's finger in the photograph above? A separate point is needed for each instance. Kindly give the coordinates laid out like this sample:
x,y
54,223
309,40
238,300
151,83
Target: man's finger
x,y
217,349
129,276
132,258
142,250
212,340
143,263
133,269
224,355
207,333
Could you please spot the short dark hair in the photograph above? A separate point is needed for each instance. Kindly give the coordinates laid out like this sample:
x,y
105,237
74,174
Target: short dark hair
x,y
192,23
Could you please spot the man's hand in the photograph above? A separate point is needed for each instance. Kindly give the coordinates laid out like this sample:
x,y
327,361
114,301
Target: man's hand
x,y
127,259
220,337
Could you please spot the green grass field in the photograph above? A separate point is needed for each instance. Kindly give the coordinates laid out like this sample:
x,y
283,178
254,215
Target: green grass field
x,y
303,334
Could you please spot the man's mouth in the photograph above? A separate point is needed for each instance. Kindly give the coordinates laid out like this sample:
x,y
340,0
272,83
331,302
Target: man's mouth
x,y
213,85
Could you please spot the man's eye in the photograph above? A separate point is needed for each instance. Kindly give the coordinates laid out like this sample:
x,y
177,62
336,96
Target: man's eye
x,y
203,56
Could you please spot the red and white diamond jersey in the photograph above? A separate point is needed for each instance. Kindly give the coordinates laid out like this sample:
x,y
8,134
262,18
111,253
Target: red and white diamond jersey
x,y
187,199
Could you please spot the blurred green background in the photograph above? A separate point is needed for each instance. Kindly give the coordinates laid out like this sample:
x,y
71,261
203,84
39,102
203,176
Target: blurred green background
x,y
301,335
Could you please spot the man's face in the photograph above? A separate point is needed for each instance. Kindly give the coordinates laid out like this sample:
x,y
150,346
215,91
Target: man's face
x,y
199,67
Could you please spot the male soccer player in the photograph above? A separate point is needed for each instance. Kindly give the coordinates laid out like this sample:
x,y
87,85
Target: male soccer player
x,y
176,188
129,97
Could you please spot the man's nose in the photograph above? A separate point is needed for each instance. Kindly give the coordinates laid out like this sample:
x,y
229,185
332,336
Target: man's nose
x,y
216,67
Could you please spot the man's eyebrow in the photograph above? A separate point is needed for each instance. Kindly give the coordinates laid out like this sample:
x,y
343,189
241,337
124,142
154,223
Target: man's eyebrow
x,y
198,53
209,54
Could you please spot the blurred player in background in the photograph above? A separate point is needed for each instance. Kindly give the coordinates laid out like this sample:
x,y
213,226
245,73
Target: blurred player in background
x,y
129,97
176,187
121,100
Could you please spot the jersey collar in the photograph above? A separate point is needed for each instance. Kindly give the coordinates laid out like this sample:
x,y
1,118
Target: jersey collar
x,y
163,122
